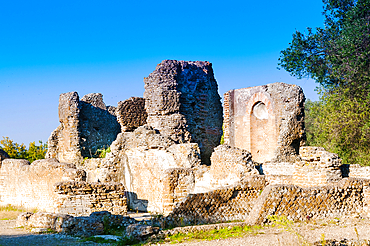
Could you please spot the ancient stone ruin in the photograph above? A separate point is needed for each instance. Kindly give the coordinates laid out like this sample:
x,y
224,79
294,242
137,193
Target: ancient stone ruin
x,y
86,126
267,120
165,156
182,102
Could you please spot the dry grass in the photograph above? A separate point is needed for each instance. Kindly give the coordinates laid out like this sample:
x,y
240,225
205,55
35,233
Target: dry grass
x,y
10,212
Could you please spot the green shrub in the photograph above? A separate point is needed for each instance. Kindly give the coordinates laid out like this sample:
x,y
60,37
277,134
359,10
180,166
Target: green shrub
x,y
19,151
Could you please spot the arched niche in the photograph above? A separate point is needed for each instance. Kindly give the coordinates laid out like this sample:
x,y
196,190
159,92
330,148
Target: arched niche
x,y
262,126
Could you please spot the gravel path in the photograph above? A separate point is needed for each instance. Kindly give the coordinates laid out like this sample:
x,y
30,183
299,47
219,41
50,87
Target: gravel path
x,y
11,236
344,229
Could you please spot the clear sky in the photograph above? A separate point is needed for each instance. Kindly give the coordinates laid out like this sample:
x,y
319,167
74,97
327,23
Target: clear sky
x,y
51,47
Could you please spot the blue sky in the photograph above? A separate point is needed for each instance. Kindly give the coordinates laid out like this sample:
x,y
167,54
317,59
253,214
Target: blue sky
x,y
51,47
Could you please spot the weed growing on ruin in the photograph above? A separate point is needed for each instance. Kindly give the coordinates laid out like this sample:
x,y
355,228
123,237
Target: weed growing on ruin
x,y
288,226
237,231
102,153
323,241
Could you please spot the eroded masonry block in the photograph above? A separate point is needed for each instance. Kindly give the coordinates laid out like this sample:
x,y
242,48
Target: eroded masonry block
x,y
142,160
182,101
86,126
230,165
356,171
131,113
266,120
317,167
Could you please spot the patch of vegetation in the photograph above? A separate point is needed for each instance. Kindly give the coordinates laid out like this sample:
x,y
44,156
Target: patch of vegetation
x,y
129,241
102,153
10,212
123,241
337,57
288,226
237,231
19,151
97,240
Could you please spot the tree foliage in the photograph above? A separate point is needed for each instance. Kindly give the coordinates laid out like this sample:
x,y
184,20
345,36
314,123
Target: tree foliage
x,y
19,151
338,54
338,58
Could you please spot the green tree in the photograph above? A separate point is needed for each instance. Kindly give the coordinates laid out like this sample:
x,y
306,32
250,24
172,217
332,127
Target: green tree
x,y
19,151
36,152
338,58
310,118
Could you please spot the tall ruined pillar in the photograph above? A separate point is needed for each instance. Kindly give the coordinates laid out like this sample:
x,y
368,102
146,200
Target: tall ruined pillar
x,y
86,125
182,101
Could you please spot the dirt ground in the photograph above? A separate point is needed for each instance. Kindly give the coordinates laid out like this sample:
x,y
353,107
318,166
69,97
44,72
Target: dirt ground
x,y
312,232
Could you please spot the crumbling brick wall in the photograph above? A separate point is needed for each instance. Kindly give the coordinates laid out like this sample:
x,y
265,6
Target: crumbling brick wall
x,y
182,101
178,184
131,113
220,205
254,201
82,198
266,120
296,203
86,126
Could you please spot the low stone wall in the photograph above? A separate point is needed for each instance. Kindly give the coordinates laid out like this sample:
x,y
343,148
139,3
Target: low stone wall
x,y
280,168
31,185
83,198
296,203
221,205
358,171
279,179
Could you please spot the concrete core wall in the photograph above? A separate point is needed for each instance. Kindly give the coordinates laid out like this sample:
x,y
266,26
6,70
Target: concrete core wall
x,y
31,185
182,101
50,186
